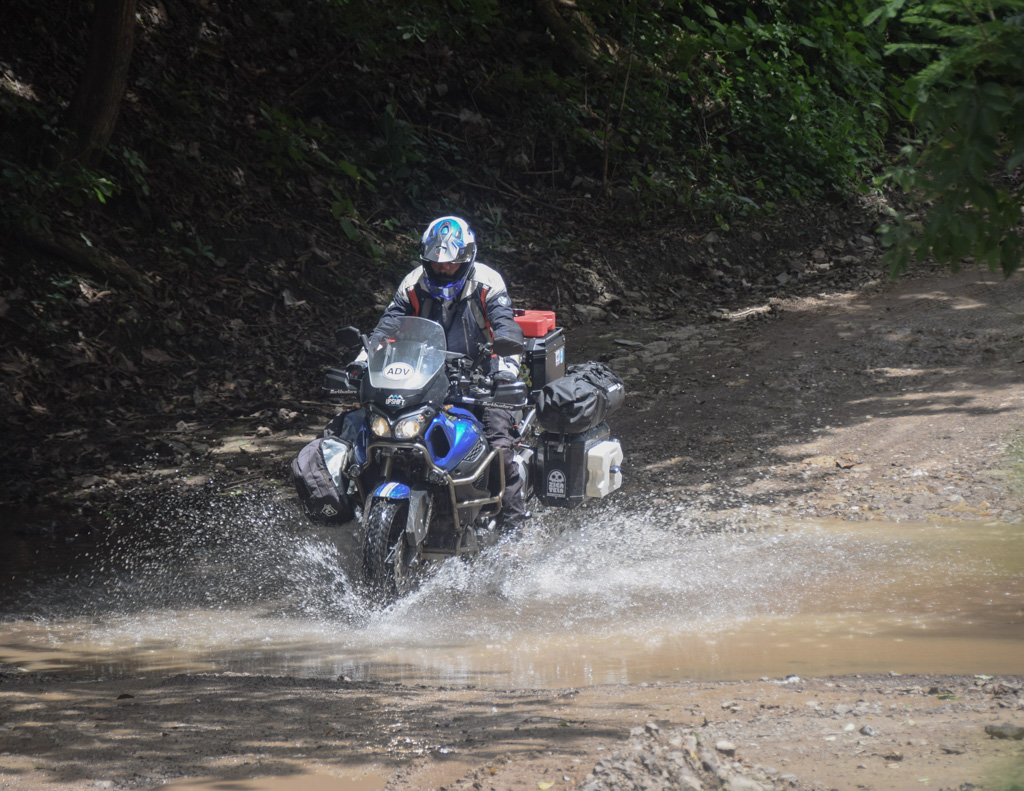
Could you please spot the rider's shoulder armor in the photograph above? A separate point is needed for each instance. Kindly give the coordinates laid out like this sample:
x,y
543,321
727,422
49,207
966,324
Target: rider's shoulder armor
x,y
487,277
412,280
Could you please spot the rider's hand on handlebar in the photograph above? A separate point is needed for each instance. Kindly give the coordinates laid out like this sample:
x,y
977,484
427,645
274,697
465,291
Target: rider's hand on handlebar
x,y
507,371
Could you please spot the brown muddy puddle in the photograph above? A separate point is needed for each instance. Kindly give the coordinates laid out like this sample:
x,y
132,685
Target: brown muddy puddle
x,y
321,781
619,600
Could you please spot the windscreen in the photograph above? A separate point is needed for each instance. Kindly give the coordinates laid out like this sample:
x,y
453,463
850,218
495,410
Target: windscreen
x,y
409,356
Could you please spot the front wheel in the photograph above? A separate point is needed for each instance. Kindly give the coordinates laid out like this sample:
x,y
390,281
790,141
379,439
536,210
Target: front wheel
x,y
388,561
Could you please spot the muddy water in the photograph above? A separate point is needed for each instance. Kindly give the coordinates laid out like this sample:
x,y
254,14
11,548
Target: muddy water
x,y
617,597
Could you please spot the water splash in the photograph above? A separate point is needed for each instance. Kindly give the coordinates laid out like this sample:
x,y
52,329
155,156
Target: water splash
x,y
186,548
619,574
236,581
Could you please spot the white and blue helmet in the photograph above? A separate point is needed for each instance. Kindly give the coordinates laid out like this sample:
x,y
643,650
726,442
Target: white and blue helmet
x,y
447,240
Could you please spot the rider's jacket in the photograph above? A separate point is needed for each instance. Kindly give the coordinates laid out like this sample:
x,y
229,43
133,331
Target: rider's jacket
x,y
481,311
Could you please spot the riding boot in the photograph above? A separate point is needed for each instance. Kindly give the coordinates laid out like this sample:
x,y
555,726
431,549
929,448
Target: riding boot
x,y
513,509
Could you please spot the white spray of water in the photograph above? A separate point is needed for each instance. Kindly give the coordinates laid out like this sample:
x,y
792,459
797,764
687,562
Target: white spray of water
x,y
215,582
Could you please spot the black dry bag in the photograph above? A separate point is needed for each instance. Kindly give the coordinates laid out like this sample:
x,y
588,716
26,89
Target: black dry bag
x,y
580,400
319,470
316,472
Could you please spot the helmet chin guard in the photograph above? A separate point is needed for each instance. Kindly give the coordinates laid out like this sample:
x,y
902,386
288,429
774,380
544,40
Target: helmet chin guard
x,y
448,290
447,240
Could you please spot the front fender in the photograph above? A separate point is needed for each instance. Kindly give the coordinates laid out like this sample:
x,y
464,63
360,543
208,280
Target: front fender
x,y
390,490
419,502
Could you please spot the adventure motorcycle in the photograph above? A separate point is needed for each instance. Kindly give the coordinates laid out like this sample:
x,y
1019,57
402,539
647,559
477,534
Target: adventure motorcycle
x,y
414,457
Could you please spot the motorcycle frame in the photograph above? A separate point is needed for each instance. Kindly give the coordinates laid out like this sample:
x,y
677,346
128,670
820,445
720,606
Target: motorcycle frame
x,y
488,506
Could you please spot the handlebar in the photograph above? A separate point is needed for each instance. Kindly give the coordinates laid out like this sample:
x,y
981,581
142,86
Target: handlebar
x,y
472,387
511,396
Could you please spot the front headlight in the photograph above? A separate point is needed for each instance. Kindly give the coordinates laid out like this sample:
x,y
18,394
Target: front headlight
x,y
409,428
380,426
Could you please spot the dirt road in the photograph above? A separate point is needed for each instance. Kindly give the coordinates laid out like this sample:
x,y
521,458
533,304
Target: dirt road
x,y
897,403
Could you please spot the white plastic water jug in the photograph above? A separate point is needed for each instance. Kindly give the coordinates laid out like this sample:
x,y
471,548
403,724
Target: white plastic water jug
x,y
603,473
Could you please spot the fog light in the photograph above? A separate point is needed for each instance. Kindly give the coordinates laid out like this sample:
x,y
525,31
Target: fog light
x,y
438,477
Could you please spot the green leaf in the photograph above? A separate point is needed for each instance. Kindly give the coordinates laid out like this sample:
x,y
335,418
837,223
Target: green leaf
x,y
348,169
735,40
349,229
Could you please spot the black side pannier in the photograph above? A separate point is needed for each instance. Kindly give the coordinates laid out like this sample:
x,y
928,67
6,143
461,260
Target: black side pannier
x,y
318,471
580,400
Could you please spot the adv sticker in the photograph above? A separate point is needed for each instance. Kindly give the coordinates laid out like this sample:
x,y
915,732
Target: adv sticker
x,y
556,483
398,371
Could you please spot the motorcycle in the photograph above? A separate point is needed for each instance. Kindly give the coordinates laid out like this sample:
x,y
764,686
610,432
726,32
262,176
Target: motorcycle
x,y
428,484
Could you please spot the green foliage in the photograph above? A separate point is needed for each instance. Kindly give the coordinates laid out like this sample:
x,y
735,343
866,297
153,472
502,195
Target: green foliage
x,y
386,30
722,106
398,150
966,107
290,146
195,248
458,19
136,169
33,192
801,91
289,143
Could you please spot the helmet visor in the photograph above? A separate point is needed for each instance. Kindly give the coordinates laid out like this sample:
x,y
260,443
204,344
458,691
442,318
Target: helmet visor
x,y
443,274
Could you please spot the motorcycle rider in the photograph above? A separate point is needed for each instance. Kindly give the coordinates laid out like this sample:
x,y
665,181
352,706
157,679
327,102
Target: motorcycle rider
x,y
470,301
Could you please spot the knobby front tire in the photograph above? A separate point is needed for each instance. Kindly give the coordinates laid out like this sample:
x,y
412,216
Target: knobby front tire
x,y
384,569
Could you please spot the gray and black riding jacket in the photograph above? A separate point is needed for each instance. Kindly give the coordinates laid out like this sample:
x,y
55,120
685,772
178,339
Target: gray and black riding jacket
x,y
481,312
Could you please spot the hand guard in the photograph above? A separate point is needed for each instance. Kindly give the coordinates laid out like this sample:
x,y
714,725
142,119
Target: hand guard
x,y
356,371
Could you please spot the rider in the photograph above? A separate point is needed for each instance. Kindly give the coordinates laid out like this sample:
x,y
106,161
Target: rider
x,y
469,299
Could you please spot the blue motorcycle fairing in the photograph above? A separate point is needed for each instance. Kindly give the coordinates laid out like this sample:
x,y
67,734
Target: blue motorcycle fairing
x,y
451,436
457,410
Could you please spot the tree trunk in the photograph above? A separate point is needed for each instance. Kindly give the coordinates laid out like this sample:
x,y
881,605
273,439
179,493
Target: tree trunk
x,y
578,36
97,101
